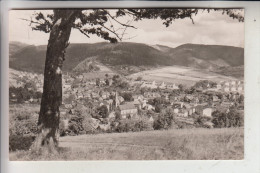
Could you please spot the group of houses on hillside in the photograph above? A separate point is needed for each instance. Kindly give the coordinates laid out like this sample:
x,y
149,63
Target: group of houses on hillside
x,y
154,85
183,105
26,78
230,86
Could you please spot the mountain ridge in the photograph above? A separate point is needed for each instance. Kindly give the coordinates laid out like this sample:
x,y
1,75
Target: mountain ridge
x,y
207,57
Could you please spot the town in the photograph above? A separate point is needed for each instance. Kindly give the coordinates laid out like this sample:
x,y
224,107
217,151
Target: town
x,y
109,99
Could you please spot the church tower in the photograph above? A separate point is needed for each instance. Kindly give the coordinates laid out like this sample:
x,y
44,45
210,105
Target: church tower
x,y
116,100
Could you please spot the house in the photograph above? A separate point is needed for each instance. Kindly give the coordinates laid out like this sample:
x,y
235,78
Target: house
x,y
239,88
80,77
72,111
94,95
143,103
183,113
110,103
120,99
112,115
190,109
203,110
207,112
162,85
151,119
151,85
31,100
138,97
67,86
87,95
79,95
177,105
149,107
226,84
233,89
137,104
176,110
172,86
215,99
219,86
226,89
127,110
68,106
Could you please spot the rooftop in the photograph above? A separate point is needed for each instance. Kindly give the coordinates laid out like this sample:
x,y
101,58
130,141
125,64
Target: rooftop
x,y
127,106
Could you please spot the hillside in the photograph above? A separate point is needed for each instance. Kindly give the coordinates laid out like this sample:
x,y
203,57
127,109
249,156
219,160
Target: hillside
x,y
180,75
207,56
15,47
128,58
32,58
181,144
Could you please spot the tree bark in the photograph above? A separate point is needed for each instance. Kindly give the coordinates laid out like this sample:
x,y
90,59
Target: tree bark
x,y
49,117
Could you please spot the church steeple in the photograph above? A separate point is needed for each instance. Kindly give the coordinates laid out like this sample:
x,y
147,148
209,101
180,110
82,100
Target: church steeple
x,y
116,100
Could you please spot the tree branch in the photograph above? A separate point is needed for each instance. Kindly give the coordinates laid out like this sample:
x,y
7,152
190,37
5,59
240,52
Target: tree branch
x,y
111,31
130,26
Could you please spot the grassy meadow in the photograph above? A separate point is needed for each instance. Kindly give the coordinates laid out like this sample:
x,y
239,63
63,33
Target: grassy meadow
x,y
181,144
178,74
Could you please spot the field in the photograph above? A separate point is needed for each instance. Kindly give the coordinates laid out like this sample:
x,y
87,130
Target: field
x,y
182,144
179,75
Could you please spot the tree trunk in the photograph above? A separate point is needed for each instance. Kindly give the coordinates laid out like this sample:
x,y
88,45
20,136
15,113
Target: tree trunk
x,y
49,117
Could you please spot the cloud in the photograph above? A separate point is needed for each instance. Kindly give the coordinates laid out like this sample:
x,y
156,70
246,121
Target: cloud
x,y
209,28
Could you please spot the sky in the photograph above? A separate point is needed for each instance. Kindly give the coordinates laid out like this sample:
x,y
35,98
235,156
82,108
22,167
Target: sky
x,y
212,28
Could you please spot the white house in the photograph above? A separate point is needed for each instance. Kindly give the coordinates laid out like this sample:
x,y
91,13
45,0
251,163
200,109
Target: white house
x,y
127,110
207,112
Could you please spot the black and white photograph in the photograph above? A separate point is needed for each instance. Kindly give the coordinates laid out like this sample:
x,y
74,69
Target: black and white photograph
x,y
126,84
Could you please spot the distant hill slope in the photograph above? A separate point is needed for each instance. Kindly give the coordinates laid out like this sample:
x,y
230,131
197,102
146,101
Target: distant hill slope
x,y
207,57
32,58
179,75
204,55
15,47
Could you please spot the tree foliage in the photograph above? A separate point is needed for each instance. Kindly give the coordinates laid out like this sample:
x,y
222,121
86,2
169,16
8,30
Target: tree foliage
x,y
128,96
108,24
232,118
164,120
103,111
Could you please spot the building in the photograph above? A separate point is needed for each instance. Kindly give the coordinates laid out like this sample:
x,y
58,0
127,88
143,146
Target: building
x,y
127,110
203,110
172,86
162,85
151,85
207,112
183,113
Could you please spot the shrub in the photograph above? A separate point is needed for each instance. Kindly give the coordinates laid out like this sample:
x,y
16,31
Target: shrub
x,y
23,127
134,125
139,78
128,96
63,126
75,125
86,124
231,119
103,111
78,124
164,120
202,121
118,115
20,142
125,125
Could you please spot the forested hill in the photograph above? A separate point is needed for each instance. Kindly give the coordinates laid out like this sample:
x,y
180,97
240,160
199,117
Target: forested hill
x,y
209,57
